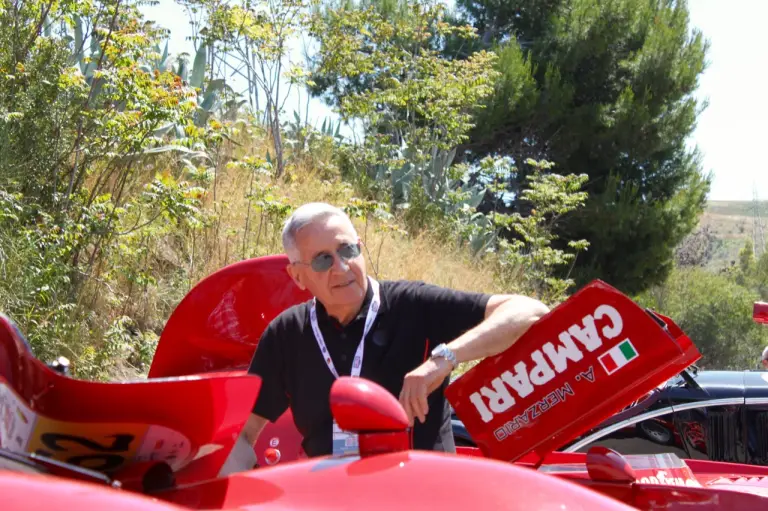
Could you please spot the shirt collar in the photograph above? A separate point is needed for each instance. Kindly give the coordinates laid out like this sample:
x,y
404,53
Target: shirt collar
x,y
322,314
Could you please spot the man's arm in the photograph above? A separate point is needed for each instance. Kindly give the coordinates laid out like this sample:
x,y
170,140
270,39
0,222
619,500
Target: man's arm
x,y
270,403
242,457
253,428
507,318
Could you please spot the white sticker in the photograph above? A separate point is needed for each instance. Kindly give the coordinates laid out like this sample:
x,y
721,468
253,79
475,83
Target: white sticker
x,y
17,421
344,442
161,443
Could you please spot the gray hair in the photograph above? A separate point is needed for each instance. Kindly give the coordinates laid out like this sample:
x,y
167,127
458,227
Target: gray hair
x,y
303,216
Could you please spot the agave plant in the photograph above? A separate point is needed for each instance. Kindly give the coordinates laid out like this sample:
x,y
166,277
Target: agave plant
x,y
87,62
299,136
437,180
209,99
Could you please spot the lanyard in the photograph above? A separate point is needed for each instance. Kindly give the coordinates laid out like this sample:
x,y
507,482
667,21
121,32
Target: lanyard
x,y
357,363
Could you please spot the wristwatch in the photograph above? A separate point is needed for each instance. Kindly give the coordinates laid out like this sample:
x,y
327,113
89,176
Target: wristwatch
x,y
441,350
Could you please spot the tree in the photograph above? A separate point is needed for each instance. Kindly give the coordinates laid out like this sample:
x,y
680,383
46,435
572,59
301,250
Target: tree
x,y
253,40
415,107
715,312
602,88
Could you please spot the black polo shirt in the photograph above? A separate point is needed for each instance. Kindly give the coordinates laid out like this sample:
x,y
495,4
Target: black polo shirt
x,y
413,318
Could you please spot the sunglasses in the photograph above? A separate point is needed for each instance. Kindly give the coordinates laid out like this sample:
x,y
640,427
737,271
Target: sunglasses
x,y
323,261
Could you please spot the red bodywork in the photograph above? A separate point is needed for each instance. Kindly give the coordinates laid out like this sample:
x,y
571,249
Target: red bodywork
x,y
217,327
168,436
760,312
569,361
190,423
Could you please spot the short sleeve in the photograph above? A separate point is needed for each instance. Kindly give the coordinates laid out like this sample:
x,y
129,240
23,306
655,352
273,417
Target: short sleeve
x,y
268,363
448,313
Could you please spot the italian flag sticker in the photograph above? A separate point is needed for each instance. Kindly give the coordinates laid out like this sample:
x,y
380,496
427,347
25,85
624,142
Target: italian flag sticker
x,y
618,356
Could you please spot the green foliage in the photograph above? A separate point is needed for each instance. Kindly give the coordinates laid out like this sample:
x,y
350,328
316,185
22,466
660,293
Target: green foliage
x,y
125,348
416,107
127,173
406,76
34,284
603,88
89,183
715,312
635,238
529,259
747,258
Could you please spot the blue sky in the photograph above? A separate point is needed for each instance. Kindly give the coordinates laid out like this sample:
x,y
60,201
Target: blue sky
x,y
730,132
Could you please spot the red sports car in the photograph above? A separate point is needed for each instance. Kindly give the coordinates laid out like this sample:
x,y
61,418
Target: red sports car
x,y
159,443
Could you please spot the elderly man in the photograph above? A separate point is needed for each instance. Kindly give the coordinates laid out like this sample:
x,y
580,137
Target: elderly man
x,y
406,336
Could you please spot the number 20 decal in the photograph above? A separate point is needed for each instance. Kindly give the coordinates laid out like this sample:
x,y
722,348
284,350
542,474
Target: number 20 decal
x,y
110,459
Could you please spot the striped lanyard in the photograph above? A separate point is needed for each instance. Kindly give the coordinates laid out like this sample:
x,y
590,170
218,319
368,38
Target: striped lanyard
x,y
357,363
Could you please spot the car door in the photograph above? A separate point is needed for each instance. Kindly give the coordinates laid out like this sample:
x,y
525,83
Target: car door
x,y
645,427
708,417
755,422
696,417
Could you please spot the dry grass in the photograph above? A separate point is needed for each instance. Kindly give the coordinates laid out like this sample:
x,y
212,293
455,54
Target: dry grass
x,y
393,256
728,226
732,225
238,229
389,254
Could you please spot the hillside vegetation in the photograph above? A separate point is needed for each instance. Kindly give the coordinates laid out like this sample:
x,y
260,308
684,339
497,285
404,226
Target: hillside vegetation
x,y
128,173
732,224
715,282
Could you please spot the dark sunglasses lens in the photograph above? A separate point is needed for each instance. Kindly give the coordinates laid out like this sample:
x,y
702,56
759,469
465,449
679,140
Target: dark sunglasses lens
x,y
322,262
349,251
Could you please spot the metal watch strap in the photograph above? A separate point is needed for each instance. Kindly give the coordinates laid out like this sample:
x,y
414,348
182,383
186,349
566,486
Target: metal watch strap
x,y
441,350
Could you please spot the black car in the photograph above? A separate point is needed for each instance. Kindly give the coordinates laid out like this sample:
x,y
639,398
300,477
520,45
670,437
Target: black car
x,y
707,415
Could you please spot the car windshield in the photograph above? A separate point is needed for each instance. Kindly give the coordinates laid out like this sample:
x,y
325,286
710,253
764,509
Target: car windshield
x,y
679,380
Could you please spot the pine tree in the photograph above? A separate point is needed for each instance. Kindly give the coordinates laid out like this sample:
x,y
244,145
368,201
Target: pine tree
x,y
602,87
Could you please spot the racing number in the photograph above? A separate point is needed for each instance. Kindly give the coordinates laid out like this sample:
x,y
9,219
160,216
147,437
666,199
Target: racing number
x,y
121,444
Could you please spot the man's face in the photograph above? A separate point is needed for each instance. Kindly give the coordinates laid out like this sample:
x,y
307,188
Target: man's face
x,y
344,283
765,364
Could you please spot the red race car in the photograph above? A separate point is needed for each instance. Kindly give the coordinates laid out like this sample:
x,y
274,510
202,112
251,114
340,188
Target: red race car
x,y
159,444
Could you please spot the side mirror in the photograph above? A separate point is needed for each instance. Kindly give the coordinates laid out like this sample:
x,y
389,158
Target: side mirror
x,y
368,409
760,312
606,465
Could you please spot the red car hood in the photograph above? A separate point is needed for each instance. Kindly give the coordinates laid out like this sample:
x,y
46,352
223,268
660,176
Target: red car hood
x,y
582,362
124,428
587,359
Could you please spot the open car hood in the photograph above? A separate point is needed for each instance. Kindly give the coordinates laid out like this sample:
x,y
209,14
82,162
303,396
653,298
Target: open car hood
x,y
587,359
217,326
123,428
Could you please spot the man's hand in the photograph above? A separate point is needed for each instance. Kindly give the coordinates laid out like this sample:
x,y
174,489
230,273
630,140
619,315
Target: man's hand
x,y
420,383
242,458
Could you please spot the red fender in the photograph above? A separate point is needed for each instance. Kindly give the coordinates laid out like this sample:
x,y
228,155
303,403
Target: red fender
x,y
217,327
110,426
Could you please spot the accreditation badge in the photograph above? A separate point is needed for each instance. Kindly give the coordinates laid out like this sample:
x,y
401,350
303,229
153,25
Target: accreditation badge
x,y
344,442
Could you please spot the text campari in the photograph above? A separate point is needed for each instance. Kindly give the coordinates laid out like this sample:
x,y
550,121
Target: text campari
x,y
541,366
